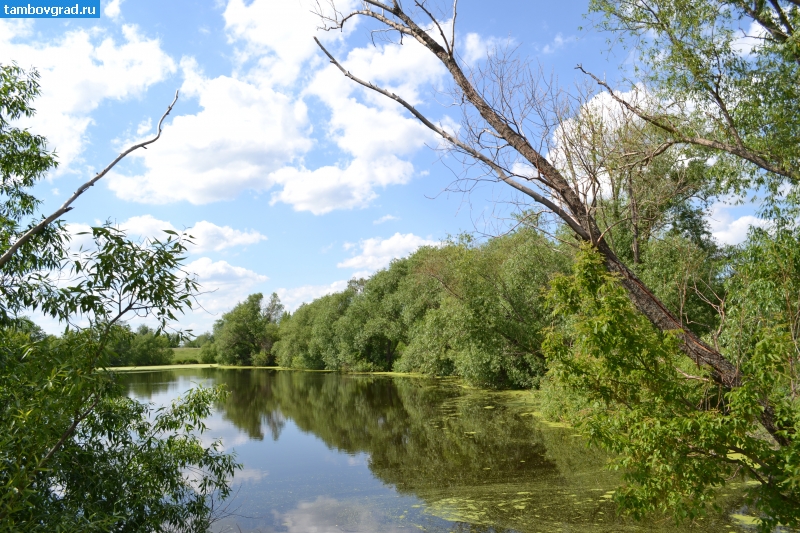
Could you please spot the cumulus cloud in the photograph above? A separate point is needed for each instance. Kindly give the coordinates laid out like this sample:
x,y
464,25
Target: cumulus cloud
x,y
242,132
373,132
278,34
556,44
110,70
207,235
223,284
294,298
331,187
112,9
377,253
385,218
252,132
729,230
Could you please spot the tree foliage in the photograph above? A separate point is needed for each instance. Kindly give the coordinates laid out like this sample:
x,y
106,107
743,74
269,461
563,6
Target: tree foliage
x,y
474,310
678,435
76,455
246,334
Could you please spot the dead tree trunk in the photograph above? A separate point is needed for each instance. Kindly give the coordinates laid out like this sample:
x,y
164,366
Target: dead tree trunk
x,y
560,196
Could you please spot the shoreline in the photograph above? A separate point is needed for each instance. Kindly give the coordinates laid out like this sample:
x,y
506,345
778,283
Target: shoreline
x,y
152,368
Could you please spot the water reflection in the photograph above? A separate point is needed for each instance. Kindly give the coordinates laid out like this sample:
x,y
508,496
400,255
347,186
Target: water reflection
x,y
371,453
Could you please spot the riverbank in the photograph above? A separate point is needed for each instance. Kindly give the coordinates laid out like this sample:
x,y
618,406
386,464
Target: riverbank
x,y
281,368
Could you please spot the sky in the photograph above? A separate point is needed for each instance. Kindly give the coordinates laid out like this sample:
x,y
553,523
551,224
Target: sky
x,y
290,177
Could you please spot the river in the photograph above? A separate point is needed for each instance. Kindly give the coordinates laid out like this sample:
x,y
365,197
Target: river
x,y
326,452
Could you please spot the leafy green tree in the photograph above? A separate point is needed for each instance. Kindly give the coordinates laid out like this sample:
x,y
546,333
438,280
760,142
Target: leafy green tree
x,y
372,329
150,348
487,325
248,330
208,353
710,88
199,341
75,454
308,337
678,436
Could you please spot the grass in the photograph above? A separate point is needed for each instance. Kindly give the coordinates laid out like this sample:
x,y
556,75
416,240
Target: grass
x,y
182,354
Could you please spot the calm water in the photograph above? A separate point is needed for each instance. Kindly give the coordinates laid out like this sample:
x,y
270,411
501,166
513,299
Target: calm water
x,y
326,452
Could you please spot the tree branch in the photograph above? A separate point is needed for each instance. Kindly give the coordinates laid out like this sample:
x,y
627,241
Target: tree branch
x,y
8,254
737,150
573,224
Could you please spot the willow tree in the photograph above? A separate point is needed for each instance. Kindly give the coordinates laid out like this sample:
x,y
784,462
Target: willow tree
x,y
75,453
737,110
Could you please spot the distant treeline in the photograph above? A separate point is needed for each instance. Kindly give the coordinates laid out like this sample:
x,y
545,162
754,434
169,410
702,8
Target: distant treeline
x,y
469,309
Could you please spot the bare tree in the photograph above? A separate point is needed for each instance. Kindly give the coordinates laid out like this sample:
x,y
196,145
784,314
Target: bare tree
x,y
510,112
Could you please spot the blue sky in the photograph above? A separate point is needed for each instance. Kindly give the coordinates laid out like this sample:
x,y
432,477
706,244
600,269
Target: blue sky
x,y
291,178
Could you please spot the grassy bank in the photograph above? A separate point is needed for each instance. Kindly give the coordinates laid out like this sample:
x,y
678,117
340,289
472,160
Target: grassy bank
x,y
180,355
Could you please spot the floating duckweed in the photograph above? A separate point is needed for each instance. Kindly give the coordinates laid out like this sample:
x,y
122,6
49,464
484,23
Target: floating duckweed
x,y
746,520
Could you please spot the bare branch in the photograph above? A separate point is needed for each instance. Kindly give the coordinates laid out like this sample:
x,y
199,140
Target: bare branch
x,y
501,173
8,254
734,149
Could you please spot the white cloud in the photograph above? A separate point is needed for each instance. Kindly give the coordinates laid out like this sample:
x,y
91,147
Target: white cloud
x,y
293,298
144,127
374,132
222,284
385,218
377,253
251,134
108,70
112,9
474,47
243,132
556,44
750,39
279,34
207,235
729,230
327,188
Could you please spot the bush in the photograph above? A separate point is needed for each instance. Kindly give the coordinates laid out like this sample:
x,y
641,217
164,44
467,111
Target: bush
x,y
208,353
148,348
263,359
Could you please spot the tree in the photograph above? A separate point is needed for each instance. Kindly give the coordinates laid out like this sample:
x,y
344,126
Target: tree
x,y
372,329
488,326
76,454
149,348
508,109
734,113
720,75
246,333
308,337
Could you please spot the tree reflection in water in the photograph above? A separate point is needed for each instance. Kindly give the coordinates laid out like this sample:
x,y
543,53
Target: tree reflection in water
x,y
477,459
